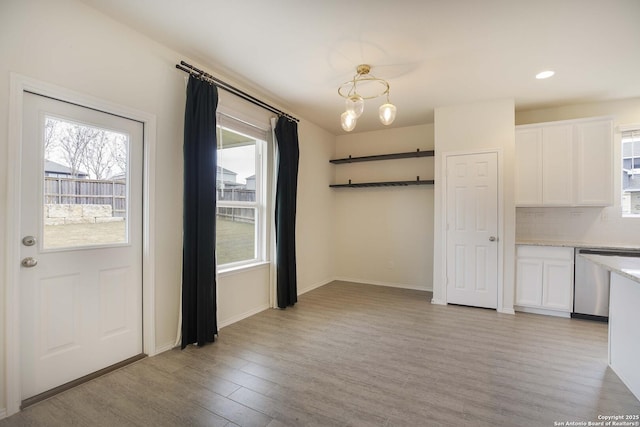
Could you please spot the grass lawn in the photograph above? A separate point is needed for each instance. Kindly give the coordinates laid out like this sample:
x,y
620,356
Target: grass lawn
x,y
235,240
73,235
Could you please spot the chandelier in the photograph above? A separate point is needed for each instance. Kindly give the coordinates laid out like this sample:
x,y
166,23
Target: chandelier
x,y
355,101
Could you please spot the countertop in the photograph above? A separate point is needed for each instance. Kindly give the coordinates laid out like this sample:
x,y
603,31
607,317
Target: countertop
x,y
574,244
625,266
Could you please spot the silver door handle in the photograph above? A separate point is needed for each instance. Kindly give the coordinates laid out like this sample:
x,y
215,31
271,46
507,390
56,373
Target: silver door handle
x,y
493,238
29,262
28,240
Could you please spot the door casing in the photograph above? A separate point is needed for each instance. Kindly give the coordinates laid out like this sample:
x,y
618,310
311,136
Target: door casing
x,y
18,85
501,232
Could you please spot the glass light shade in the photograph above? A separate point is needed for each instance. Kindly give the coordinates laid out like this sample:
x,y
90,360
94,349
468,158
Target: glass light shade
x,y
387,113
355,105
348,121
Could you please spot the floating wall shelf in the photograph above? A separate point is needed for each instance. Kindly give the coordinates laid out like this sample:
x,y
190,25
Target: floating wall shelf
x,y
383,184
392,156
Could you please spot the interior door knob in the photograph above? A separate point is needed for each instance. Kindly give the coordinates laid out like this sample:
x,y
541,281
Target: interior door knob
x,y
29,262
493,238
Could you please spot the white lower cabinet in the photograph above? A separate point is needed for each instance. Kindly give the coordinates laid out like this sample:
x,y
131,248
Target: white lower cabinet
x,y
544,282
529,282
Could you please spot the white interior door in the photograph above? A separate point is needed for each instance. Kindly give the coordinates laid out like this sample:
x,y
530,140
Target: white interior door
x,y
472,226
81,222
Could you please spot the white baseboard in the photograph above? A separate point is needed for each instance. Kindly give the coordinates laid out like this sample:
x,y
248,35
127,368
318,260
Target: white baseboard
x,y
163,348
543,311
314,286
503,311
3,413
378,283
241,316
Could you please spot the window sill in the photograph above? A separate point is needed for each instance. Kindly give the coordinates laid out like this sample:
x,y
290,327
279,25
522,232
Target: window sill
x,y
229,271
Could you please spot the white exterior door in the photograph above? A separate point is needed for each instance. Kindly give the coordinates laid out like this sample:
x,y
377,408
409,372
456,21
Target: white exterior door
x,y
81,223
472,226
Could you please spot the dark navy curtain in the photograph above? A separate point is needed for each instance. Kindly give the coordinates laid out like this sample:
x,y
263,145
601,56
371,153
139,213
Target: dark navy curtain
x,y
286,194
199,323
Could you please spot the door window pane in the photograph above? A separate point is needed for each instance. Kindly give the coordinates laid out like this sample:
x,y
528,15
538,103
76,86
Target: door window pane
x,y
85,185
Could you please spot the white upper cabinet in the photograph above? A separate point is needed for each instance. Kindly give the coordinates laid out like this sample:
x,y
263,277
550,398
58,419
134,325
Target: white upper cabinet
x,y
557,165
566,163
528,179
594,163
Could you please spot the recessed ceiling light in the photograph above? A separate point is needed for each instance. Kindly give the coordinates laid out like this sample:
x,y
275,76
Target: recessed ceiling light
x,y
545,74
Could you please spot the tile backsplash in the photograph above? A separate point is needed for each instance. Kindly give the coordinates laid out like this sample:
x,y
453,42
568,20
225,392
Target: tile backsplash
x,y
582,224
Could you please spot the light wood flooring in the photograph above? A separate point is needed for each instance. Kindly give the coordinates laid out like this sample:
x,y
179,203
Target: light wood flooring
x,y
361,355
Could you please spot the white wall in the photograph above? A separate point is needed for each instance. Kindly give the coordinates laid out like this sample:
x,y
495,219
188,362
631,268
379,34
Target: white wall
x,y
68,44
385,235
468,128
242,294
315,208
597,226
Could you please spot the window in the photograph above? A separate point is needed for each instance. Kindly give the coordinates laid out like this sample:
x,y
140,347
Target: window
x,y
240,196
631,173
85,185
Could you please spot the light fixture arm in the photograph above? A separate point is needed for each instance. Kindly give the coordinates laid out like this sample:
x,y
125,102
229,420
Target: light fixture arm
x,y
355,101
349,89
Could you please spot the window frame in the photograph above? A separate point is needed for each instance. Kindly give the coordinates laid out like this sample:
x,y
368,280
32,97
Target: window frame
x,y
633,132
261,140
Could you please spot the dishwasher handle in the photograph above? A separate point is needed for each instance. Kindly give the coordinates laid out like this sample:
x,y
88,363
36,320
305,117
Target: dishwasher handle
x,y
613,252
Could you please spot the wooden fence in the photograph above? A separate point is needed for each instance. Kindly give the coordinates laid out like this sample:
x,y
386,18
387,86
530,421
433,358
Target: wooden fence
x,y
82,191
236,195
237,214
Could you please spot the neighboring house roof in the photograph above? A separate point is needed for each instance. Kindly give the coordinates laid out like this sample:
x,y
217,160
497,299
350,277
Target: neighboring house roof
x,y
229,184
225,171
53,167
251,177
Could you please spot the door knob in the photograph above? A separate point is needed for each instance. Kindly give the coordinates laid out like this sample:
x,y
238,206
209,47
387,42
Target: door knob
x,y
493,238
29,262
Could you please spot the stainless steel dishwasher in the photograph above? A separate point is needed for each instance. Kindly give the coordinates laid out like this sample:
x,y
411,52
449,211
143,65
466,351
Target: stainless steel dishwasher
x,y
591,284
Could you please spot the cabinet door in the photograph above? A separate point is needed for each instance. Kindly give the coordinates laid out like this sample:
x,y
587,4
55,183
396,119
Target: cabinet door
x,y
528,170
594,164
529,282
557,285
557,165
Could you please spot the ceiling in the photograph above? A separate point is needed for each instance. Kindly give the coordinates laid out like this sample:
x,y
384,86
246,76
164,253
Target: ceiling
x,y
433,52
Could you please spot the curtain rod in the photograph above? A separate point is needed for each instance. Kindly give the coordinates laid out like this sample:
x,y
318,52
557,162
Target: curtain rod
x,y
190,69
